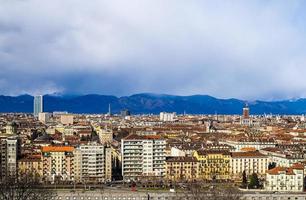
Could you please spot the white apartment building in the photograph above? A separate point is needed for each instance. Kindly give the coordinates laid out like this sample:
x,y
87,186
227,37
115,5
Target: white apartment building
x,y
285,179
167,117
250,162
143,156
93,163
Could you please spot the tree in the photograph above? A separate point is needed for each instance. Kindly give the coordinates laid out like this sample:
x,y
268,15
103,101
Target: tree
x,y
244,180
23,188
198,191
254,181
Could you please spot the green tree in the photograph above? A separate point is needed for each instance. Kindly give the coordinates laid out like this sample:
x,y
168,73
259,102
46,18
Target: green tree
x,y
254,181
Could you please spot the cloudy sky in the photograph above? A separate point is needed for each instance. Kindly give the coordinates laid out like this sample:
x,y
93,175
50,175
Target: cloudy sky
x,y
243,49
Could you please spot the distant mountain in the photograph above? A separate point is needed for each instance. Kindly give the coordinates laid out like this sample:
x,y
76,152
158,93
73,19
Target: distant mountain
x,y
150,103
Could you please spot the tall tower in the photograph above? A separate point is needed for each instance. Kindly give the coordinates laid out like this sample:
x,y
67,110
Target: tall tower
x,y
38,105
109,110
246,112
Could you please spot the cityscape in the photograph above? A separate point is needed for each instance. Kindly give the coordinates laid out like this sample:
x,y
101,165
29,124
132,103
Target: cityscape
x,y
165,156
152,100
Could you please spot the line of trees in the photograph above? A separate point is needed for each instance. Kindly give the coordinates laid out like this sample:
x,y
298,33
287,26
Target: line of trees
x,y
25,187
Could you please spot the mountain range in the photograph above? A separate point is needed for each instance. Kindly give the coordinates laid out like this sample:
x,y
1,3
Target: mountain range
x,y
147,103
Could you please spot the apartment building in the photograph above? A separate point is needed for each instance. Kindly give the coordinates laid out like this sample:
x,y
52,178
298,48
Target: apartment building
x,y
285,179
31,165
143,156
9,154
105,136
250,162
214,164
283,157
58,163
181,169
93,163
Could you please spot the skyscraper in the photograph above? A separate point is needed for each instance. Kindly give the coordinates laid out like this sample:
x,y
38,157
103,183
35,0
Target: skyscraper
x,y
38,105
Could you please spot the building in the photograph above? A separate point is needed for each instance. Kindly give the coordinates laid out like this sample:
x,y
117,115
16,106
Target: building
x,y
143,156
9,154
93,163
105,136
214,164
44,117
245,119
31,165
11,129
285,179
58,163
38,105
250,162
67,119
182,169
166,117
125,113
240,145
283,157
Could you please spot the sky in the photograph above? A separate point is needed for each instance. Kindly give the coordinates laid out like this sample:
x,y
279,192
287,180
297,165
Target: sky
x,y
227,49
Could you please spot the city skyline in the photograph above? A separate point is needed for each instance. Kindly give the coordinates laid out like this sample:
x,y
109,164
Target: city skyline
x,y
229,49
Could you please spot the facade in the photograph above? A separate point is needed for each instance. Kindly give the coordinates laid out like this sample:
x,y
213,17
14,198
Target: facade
x,y
245,118
44,117
182,169
283,158
105,136
58,163
166,117
31,165
9,154
285,179
250,162
67,119
38,105
214,164
93,163
143,156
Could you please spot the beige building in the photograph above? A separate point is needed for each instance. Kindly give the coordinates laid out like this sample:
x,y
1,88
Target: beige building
x,y
93,163
58,164
67,119
44,117
181,169
105,136
31,165
250,162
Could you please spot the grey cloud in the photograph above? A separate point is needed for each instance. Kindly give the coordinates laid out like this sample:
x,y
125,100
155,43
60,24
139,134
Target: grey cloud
x,y
243,49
